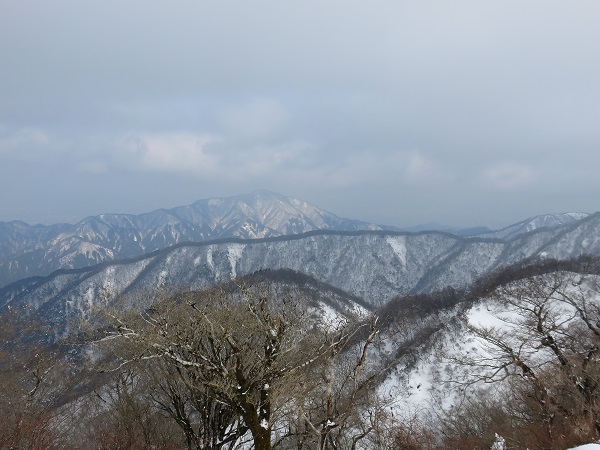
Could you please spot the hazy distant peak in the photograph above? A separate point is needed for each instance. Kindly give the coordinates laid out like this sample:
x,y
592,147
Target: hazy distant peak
x,y
536,223
27,251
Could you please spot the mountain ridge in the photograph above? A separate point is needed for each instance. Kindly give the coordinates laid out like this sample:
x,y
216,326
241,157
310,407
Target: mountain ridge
x,y
27,250
37,250
536,222
372,265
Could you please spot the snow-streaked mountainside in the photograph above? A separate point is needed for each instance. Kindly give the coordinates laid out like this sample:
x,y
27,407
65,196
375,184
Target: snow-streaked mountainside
x,y
39,250
27,250
328,302
535,223
372,265
433,361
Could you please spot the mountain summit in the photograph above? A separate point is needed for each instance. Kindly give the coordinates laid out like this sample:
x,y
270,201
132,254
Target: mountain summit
x,y
27,250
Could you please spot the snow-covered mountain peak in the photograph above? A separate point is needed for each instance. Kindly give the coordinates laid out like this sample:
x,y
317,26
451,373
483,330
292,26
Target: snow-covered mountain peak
x,y
26,251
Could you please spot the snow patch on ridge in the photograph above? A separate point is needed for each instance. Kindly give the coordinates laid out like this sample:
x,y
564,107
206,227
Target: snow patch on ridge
x,y
577,216
330,317
162,278
209,258
398,245
234,253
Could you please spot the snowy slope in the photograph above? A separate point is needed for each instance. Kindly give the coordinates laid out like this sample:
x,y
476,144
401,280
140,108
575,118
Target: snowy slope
x,y
62,307
430,375
535,223
374,266
38,250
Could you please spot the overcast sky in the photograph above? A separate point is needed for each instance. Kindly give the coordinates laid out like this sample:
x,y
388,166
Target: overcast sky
x,y
397,112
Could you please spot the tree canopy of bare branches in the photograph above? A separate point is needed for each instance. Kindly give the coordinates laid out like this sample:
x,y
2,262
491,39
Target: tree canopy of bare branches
x,y
240,361
541,335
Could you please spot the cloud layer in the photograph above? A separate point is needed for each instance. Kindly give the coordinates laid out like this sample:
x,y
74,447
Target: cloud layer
x,y
400,112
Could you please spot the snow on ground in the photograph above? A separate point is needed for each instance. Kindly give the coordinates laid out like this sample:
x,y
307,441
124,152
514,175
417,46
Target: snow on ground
x,y
429,378
234,253
209,257
398,245
330,316
489,314
587,447
417,385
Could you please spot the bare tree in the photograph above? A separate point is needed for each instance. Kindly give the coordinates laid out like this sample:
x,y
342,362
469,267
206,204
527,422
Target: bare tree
x,y
120,414
206,422
238,355
337,404
546,341
32,383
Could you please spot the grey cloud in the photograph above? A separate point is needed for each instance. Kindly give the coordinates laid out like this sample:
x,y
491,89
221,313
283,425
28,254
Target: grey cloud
x,y
461,112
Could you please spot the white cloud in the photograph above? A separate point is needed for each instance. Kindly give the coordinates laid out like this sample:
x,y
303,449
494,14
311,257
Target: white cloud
x,y
171,152
23,143
361,168
208,156
372,169
506,176
423,171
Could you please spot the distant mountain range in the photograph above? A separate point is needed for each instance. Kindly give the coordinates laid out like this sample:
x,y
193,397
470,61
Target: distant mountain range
x,y
27,250
38,250
372,266
535,223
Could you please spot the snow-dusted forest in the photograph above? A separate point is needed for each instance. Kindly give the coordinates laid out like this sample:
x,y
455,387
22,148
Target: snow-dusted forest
x,y
279,360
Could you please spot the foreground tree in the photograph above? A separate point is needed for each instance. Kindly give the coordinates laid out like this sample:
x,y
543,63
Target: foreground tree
x,y
231,361
32,385
543,339
337,392
121,415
